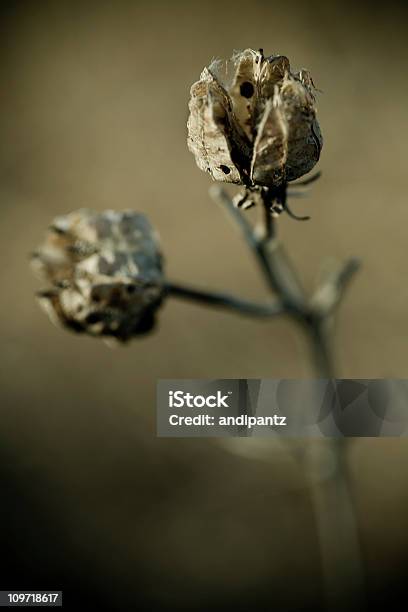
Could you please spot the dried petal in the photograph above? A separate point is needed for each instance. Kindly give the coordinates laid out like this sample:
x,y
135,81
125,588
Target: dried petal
x,y
304,137
243,91
271,146
215,139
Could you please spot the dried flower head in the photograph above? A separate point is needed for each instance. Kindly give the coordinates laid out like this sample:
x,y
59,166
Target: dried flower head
x,y
256,125
106,273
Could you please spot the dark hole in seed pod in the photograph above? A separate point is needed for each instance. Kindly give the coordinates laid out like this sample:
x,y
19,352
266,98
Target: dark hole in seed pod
x,y
94,317
225,169
247,89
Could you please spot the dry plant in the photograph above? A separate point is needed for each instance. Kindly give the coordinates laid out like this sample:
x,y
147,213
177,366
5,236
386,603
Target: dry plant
x,y
253,123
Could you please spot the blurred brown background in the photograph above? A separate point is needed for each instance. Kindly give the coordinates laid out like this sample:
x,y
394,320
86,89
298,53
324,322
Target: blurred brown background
x,y
93,113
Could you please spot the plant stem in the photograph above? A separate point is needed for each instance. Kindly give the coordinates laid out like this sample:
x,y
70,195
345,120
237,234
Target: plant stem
x,y
225,300
333,503
336,526
331,495
320,342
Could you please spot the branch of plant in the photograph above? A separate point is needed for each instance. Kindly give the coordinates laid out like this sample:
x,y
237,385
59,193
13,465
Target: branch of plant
x,y
225,300
330,292
315,313
336,525
269,253
330,491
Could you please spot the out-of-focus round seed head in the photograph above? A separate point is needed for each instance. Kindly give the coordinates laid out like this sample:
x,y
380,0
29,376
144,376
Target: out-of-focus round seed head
x,y
105,271
253,122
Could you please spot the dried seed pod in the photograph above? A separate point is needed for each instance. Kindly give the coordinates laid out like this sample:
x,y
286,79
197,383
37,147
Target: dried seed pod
x,y
258,128
105,269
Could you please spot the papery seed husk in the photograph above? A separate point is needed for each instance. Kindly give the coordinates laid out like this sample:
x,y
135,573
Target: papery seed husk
x,y
215,138
259,127
105,269
270,147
